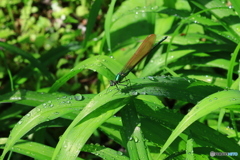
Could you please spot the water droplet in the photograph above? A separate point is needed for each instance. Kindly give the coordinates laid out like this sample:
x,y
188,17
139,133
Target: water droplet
x,y
19,122
191,97
134,93
155,7
136,140
78,97
151,78
119,153
195,21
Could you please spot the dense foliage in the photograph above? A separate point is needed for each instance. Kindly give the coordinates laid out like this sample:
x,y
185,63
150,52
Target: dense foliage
x,y
180,102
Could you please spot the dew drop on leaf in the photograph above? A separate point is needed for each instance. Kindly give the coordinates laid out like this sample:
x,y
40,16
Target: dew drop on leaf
x,y
119,153
68,102
131,138
191,97
136,140
151,78
78,97
144,93
134,93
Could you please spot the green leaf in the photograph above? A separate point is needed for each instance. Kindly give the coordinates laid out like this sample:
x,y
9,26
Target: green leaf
x,y
49,110
133,137
204,107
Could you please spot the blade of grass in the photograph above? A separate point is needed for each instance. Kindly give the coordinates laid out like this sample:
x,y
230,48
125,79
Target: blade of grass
x,y
108,24
8,71
236,6
91,20
98,110
204,107
36,63
49,110
231,66
133,138
102,64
